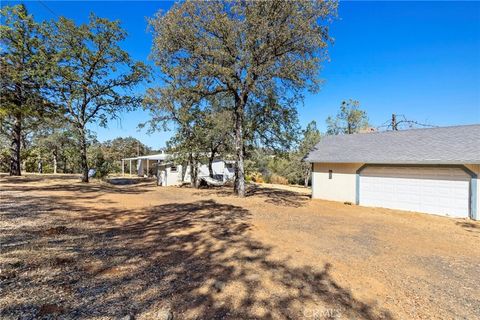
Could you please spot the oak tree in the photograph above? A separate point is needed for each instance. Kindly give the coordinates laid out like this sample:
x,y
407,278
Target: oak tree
x,y
244,49
95,78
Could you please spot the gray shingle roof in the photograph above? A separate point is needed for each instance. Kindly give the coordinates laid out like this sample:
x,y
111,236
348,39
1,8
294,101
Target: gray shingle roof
x,y
445,145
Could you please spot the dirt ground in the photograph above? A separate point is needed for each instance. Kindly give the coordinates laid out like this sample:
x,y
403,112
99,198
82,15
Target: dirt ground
x,y
103,251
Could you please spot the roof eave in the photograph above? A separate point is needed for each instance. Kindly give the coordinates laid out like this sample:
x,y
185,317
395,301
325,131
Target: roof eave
x,y
433,161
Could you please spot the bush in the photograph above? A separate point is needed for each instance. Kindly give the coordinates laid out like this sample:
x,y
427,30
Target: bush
x,y
103,167
257,177
276,179
100,164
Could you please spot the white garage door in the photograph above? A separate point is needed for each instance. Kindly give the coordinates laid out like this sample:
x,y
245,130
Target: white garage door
x,y
444,191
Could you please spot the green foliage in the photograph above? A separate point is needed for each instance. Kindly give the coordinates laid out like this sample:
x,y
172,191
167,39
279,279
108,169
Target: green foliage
x,y
4,154
215,127
96,159
350,119
203,131
56,145
115,150
78,67
26,64
287,167
30,159
311,136
94,78
270,124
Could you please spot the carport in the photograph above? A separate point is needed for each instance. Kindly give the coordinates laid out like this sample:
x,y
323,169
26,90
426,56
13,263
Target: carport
x,y
143,163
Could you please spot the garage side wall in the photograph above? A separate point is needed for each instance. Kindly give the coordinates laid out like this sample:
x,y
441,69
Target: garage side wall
x,y
476,169
339,185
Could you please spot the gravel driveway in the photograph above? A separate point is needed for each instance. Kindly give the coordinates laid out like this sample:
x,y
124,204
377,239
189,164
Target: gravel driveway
x,y
103,251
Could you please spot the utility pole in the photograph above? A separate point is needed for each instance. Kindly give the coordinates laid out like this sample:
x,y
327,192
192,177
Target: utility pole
x,y
394,122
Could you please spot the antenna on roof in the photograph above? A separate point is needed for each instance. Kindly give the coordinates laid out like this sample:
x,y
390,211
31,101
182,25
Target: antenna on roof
x,y
395,124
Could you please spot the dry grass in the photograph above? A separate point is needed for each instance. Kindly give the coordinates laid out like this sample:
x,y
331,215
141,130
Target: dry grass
x,y
103,251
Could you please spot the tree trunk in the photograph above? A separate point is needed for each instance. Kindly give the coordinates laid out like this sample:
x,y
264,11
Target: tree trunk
x,y
64,164
193,171
83,156
307,176
235,184
194,174
210,167
55,161
239,170
158,172
213,151
15,147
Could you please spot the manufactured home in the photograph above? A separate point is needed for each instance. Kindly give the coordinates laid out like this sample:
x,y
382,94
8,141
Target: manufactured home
x,y
434,170
171,173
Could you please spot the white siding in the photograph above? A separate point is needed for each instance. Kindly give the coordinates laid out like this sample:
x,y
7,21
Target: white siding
x,y
218,167
173,177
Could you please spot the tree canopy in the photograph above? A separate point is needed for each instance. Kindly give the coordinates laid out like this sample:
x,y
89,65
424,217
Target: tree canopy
x,y
95,77
350,119
26,62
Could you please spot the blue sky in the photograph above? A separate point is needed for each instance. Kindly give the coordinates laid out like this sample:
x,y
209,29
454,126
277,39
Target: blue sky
x,y
419,59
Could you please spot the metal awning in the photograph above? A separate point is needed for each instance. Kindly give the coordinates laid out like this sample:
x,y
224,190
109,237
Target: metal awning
x,y
160,156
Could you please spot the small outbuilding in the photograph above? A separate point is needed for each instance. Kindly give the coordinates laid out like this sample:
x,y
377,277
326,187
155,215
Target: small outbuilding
x,y
434,170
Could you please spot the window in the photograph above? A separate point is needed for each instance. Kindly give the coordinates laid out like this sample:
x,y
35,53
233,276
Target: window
x,y
173,169
330,173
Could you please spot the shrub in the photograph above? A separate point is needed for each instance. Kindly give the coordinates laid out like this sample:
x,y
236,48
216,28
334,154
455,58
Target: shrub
x,y
255,177
278,179
100,164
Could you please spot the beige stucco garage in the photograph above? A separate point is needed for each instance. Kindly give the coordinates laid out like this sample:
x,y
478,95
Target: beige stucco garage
x,y
425,170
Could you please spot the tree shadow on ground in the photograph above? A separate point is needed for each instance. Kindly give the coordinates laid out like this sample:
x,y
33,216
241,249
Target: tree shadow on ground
x,y
278,197
34,177
469,226
284,198
121,181
196,259
90,190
